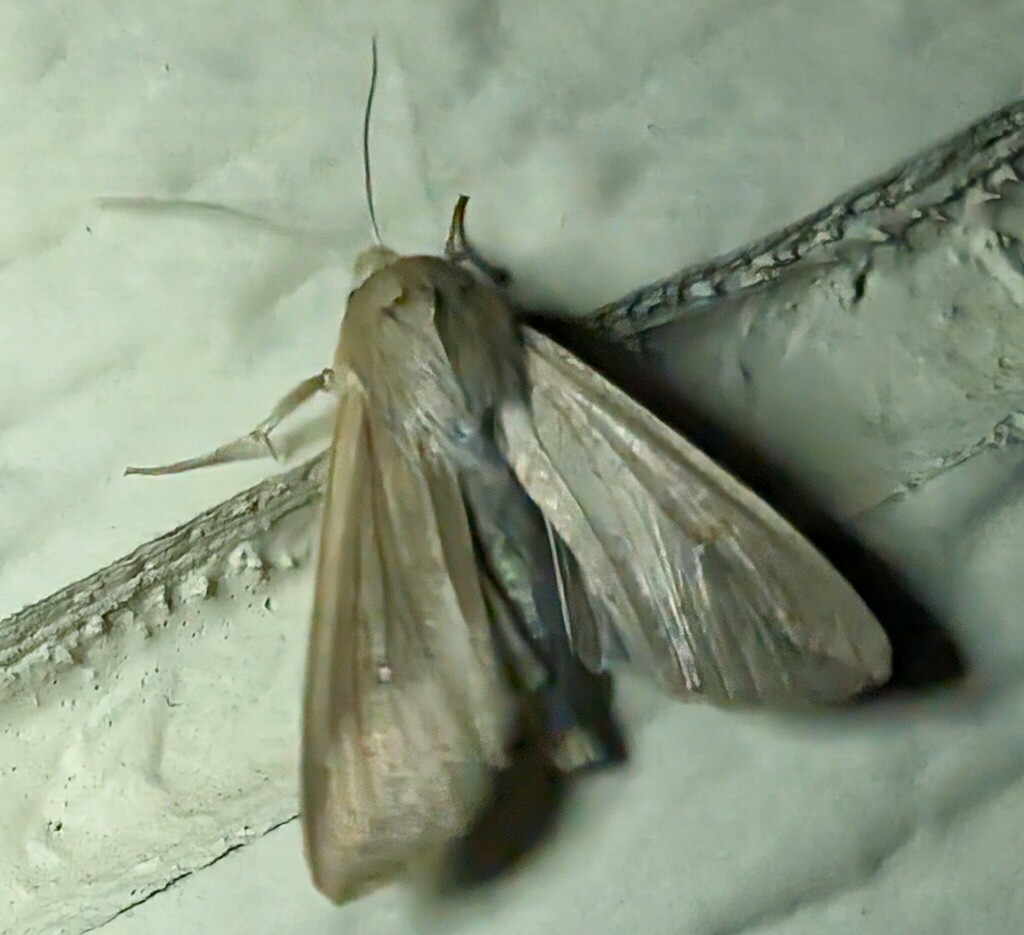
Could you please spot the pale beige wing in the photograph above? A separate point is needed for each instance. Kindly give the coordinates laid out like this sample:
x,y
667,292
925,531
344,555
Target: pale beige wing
x,y
690,575
403,705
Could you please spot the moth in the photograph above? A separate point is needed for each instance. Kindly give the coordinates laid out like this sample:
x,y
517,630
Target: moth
x,y
502,528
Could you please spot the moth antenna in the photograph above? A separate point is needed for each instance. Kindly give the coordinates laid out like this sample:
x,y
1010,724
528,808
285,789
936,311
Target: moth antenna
x,y
367,179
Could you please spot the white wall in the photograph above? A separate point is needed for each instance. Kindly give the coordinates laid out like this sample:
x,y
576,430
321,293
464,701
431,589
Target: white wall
x,y
603,145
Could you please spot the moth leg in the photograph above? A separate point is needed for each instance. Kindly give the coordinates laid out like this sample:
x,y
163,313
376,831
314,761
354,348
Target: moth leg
x,y
458,249
249,445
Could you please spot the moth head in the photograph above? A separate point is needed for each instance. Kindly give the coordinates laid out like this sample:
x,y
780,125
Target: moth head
x,y
370,261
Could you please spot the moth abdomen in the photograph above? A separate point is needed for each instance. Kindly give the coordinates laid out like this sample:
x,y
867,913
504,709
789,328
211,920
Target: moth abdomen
x,y
530,617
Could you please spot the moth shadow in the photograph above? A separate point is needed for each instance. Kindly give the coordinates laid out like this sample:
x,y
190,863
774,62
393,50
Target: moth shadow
x,y
527,795
524,806
925,654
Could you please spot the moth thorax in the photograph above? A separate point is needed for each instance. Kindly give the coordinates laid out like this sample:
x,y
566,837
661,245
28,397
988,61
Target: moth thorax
x,y
369,261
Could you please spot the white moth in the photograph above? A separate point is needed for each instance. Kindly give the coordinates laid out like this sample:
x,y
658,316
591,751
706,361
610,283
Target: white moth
x,y
501,527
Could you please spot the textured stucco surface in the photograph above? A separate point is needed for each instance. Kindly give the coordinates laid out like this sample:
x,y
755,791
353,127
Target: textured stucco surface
x,y
603,148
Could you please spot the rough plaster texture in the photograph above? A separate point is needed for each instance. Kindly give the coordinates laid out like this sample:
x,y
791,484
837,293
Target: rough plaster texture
x,y
603,147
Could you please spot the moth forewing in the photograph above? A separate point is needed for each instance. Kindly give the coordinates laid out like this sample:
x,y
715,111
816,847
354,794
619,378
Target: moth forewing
x,y
690,573
404,704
